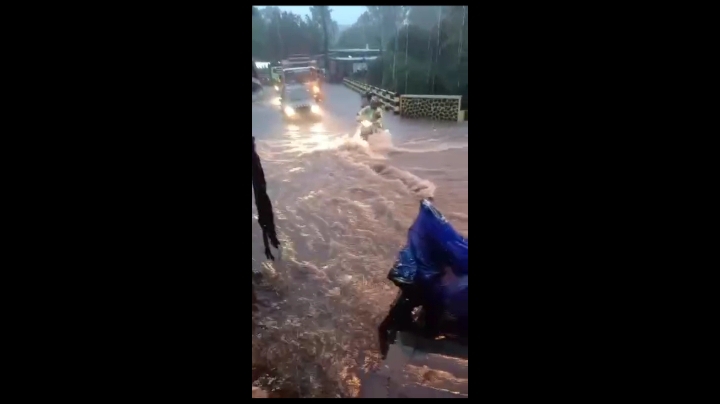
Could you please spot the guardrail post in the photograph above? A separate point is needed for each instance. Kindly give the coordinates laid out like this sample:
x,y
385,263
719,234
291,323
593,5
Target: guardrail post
x,y
393,100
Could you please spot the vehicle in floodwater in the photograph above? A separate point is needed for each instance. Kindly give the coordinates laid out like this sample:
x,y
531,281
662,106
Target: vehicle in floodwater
x,y
301,69
307,76
298,104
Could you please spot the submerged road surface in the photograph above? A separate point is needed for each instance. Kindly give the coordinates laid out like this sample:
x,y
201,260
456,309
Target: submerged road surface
x,y
343,207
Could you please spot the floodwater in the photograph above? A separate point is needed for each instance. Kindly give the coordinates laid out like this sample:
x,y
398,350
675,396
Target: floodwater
x,y
343,207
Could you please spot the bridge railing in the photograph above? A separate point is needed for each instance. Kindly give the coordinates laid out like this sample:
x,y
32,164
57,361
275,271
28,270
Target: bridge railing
x,y
389,99
437,107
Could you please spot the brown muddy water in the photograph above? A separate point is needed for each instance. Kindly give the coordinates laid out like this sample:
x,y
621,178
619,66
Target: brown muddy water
x,y
343,207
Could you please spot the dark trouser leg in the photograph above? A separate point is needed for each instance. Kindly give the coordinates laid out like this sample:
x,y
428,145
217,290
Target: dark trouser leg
x,y
399,318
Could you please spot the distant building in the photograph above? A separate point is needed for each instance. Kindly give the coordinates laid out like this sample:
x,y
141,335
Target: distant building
x,y
344,62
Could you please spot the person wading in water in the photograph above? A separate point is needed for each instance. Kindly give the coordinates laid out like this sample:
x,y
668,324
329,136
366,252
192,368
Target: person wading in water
x,y
262,201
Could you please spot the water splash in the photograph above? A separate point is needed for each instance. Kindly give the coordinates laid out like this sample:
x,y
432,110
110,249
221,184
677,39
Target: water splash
x,y
343,208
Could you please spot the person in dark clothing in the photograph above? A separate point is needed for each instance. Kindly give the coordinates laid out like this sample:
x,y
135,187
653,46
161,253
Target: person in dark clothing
x,y
266,218
262,201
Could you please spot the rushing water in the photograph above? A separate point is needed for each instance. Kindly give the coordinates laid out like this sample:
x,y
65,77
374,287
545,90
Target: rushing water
x,y
343,207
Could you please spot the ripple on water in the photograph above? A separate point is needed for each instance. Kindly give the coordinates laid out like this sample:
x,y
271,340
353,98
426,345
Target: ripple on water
x,y
343,209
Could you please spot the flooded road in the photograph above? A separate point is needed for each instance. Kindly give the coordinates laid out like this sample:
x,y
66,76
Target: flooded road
x,y
343,207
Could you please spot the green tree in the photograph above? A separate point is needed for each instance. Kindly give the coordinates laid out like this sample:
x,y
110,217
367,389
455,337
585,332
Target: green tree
x,y
278,34
324,18
424,48
321,18
360,34
259,28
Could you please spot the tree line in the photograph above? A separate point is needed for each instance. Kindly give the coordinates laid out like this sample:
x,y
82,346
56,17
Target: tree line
x,y
278,34
423,48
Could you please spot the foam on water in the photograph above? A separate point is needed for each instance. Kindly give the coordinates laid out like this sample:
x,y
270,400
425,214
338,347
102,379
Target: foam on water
x,y
343,206
354,150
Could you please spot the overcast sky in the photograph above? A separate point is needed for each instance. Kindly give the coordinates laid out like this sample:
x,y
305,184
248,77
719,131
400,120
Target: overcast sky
x,y
344,15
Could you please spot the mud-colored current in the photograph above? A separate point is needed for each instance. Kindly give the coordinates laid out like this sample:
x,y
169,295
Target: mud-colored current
x,y
343,207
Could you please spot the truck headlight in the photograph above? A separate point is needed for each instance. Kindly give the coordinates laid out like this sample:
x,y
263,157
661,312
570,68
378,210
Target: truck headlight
x,y
289,111
316,89
315,109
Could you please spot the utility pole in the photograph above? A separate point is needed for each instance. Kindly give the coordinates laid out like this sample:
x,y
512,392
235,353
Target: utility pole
x,y
324,14
397,33
282,46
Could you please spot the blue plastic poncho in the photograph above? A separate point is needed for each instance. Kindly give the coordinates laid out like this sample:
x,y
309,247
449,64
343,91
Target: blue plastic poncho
x,y
435,259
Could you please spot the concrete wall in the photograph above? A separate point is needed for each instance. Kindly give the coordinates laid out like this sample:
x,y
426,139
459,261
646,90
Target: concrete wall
x,y
436,107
